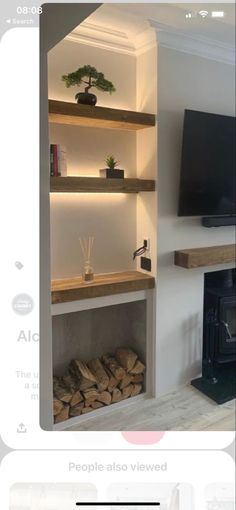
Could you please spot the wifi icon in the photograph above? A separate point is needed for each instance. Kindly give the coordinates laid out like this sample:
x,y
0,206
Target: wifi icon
x,y
203,14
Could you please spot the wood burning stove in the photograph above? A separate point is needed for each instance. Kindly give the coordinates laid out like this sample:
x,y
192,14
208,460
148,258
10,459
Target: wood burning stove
x,y
218,379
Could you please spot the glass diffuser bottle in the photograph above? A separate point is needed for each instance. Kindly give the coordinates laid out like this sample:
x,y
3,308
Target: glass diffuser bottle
x,y
86,247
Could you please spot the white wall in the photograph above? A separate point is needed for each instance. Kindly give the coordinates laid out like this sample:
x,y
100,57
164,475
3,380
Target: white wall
x,y
67,56
52,28
110,218
146,73
119,222
184,81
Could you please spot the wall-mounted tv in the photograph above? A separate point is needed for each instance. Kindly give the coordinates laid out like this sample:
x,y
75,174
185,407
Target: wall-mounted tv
x,y
208,174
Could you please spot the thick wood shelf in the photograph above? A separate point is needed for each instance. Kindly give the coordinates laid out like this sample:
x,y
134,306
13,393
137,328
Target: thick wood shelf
x,y
209,256
73,289
99,185
61,112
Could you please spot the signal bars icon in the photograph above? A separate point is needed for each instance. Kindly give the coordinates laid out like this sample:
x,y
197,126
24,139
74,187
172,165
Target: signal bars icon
x,y
204,14
195,14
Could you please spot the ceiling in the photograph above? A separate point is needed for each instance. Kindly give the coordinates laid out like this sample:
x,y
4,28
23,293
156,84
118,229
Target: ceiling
x,y
126,22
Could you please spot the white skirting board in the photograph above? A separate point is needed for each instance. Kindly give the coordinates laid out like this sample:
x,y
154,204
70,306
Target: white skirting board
x,y
103,411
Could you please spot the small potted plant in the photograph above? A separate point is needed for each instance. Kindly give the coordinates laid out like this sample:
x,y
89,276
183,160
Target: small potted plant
x,y
111,171
92,79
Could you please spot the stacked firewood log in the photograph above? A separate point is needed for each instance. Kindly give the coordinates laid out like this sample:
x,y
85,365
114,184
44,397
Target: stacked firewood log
x,y
97,383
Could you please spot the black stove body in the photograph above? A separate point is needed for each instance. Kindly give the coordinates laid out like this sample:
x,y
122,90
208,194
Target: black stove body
x,y
218,379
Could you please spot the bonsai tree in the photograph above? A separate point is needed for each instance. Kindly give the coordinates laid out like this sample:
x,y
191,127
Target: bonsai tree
x,y
111,162
89,76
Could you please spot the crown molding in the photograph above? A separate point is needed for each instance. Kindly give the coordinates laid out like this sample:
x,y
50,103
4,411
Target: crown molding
x,y
113,40
97,42
169,37
145,41
117,41
86,25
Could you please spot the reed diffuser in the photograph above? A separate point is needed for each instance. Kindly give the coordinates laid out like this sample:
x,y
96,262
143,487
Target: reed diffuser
x,y
86,244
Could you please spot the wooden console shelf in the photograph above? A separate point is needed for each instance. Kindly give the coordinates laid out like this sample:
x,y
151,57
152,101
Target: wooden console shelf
x,y
209,256
99,185
73,289
61,112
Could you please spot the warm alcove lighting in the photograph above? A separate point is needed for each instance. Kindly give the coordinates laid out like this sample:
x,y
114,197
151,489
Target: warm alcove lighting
x,y
90,196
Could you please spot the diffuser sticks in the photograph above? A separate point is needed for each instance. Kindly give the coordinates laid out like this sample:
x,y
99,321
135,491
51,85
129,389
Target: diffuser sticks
x,y
86,244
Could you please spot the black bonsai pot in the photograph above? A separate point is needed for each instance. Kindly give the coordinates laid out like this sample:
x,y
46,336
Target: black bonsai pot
x,y
86,98
110,173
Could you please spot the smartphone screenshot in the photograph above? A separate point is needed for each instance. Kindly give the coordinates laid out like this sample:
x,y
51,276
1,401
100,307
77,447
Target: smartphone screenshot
x,y
118,209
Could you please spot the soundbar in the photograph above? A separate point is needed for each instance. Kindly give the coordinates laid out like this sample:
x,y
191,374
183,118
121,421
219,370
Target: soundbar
x,y
218,221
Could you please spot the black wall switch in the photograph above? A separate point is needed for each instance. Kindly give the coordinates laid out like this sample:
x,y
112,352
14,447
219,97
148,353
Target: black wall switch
x,y
146,264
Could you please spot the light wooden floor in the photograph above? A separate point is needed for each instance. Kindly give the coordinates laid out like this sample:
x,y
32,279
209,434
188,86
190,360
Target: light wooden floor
x,y
185,409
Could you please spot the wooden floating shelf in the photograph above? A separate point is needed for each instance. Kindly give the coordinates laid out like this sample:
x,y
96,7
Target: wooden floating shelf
x,y
209,256
61,112
73,289
99,185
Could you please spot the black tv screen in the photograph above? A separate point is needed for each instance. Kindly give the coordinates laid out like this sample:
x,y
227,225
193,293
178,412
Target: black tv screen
x,y
207,177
